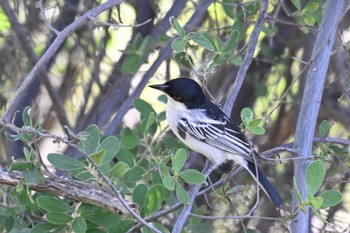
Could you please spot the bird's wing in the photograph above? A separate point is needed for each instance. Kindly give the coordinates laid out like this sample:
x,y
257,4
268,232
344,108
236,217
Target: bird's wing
x,y
222,134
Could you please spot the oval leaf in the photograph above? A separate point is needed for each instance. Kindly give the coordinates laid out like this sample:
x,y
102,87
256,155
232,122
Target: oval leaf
x,y
143,107
175,24
79,225
111,146
192,176
130,141
181,194
179,160
58,219
246,115
139,195
331,198
90,142
179,45
64,162
314,176
154,199
169,182
53,204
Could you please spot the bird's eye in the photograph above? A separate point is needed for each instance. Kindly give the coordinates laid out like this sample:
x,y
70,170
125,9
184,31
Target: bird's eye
x,y
177,97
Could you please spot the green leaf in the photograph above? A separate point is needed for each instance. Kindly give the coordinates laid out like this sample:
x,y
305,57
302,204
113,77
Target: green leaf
x,y
123,226
119,169
254,122
228,6
21,165
125,156
111,146
90,144
309,20
169,182
231,42
20,185
79,225
130,141
310,7
300,197
154,199
331,198
314,176
105,219
181,194
316,202
33,176
246,115
139,195
175,24
53,204
135,173
98,157
192,176
13,137
179,160
324,128
236,61
203,39
179,45
257,130
297,4
45,227
26,116
149,123
131,64
173,144
164,169
64,162
87,208
29,155
143,107
58,219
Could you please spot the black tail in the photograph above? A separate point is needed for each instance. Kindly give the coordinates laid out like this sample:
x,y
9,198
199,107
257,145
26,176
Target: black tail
x,y
265,184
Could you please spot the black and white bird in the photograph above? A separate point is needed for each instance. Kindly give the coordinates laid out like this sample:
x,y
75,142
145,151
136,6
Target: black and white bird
x,y
204,128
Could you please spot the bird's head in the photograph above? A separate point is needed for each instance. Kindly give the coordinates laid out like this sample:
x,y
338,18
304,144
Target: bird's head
x,y
183,90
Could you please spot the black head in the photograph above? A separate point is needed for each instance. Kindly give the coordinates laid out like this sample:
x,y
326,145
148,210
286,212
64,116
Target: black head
x,y
183,90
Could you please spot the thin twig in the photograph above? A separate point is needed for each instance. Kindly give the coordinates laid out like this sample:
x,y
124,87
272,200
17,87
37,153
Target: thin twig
x,y
109,183
186,211
253,41
61,37
239,217
43,13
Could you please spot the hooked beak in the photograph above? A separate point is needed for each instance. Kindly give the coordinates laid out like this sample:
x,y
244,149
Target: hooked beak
x,y
160,87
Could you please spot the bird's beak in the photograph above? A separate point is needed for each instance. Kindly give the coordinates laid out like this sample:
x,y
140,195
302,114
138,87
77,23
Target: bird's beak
x,y
160,87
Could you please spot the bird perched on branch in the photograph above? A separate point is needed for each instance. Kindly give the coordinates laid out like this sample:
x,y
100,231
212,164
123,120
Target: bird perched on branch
x,y
204,128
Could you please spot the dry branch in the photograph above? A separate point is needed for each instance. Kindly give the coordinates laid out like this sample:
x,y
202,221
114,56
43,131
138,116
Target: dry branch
x,y
71,189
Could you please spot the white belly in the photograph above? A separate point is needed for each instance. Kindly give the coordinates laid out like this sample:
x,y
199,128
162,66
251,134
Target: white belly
x,y
174,112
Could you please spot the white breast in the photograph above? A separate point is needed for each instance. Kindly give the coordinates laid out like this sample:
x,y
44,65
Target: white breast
x,y
174,112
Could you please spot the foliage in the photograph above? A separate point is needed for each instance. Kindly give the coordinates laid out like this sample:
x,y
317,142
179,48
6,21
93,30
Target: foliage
x,y
86,85
315,174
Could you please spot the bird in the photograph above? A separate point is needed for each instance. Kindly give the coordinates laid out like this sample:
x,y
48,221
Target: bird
x,y
204,128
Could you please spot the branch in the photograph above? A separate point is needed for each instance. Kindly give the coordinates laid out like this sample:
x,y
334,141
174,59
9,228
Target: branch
x,y
103,177
164,54
28,49
311,103
253,41
61,37
72,189
186,211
